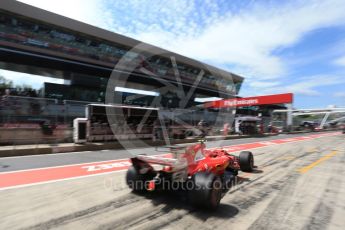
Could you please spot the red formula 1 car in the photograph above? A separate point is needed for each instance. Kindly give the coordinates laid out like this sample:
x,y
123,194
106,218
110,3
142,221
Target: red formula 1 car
x,y
205,174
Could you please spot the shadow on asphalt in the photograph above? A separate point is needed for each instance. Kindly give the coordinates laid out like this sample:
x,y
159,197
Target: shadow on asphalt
x,y
177,200
257,171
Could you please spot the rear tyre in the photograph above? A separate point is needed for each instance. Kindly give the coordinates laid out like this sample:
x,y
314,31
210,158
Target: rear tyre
x,y
207,190
246,160
136,181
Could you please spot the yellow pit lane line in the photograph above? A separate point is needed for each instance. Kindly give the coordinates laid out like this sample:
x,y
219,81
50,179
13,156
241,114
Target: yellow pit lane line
x,y
319,161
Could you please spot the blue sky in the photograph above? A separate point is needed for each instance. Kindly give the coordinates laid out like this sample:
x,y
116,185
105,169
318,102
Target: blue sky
x,y
278,46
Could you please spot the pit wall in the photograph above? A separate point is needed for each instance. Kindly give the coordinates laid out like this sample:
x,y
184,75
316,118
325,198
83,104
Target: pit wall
x,y
19,136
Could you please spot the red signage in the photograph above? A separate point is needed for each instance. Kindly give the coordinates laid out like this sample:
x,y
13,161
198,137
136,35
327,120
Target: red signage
x,y
252,101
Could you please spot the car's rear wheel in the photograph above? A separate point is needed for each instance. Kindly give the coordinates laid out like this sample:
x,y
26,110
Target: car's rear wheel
x,y
206,191
136,181
246,160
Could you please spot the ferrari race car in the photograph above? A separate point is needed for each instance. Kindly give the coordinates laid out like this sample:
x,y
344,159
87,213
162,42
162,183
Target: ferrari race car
x,y
205,174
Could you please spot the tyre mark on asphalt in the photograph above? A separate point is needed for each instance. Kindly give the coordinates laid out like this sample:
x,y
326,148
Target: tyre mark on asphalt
x,y
244,183
119,202
276,159
280,208
268,183
146,217
94,211
260,188
305,169
263,188
324,210
300,148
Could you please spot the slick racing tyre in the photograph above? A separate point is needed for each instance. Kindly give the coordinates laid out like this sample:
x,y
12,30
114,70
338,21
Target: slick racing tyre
x,y
136,181
246,160
207,190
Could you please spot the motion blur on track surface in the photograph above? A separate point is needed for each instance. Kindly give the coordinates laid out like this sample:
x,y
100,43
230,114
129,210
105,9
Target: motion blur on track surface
x,y
296,185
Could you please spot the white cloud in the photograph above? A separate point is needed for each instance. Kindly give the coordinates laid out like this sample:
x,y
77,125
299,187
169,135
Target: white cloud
x,y
263,84
340,61
308,86
340,94
243,40
88,11
248,40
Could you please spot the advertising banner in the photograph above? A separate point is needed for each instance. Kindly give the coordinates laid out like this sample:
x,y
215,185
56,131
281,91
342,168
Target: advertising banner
x,y
285,98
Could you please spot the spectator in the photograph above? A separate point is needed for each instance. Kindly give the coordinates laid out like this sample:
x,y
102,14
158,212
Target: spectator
x,y
226,129
203,126
270,128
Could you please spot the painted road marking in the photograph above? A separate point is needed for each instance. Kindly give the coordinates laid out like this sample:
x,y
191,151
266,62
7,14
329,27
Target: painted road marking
x,y
116,165
319,161
51,174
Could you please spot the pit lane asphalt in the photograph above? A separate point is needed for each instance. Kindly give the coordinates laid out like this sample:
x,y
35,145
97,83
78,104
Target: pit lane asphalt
x,y
297,185
8,164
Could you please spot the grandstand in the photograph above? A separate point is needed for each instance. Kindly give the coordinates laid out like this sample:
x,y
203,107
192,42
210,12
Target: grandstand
x,y
39,42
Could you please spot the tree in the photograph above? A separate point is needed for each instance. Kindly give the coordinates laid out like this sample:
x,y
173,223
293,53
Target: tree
x,y
5,83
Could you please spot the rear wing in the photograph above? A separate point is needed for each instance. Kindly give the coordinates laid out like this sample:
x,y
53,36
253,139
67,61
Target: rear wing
x,y
157,160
